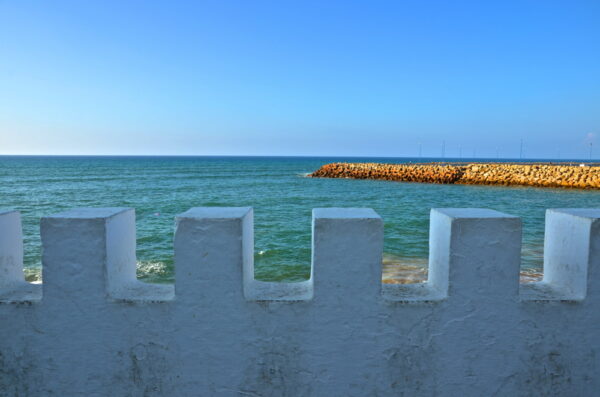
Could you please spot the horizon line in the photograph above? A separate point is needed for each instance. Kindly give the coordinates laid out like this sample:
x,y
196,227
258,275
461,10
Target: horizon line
x,y
298,156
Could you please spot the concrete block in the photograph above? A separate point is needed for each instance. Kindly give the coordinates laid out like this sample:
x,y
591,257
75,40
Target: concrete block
x,y
571,256
471,252
89,254
347,249
13,287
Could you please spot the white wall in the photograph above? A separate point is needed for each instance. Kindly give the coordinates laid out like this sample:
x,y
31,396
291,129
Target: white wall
x,y
471,330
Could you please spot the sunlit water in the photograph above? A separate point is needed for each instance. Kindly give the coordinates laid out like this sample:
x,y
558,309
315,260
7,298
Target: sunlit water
x,y
159,188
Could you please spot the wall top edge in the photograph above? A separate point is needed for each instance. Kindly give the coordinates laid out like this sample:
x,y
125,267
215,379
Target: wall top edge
x,y
345,213
90,213
215,212
475,213
579,212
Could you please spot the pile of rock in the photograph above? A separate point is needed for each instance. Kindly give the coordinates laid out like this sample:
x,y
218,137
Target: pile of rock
x,y
428,173
540,175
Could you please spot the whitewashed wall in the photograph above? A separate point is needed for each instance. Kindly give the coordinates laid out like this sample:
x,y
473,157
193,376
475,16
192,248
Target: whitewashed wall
x,y
92,329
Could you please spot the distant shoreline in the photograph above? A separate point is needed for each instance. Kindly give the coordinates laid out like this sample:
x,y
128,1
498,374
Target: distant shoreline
x,y
391,159
535,174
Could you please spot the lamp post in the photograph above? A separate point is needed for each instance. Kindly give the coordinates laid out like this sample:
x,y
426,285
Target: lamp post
x,y
443,150
521,150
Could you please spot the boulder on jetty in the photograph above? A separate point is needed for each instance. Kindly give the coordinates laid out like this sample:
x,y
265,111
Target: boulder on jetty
x,y
508,174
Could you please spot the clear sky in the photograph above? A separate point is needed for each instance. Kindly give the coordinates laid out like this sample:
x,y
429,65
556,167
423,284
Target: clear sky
x,y
372,78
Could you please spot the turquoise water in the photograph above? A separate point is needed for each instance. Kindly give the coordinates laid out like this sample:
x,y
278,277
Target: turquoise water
x,y
161,187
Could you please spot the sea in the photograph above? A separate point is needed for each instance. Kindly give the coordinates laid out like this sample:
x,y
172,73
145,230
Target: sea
x,y
160,187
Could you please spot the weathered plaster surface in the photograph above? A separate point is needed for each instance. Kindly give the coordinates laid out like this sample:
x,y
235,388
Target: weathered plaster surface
x,y
470,330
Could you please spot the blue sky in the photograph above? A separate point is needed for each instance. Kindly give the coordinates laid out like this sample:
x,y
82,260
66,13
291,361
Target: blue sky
x,y
371,78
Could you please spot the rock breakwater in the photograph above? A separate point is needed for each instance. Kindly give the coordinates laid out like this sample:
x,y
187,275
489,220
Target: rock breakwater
x,y
508,174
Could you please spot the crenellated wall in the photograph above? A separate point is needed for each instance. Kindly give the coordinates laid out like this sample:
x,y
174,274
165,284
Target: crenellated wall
x,y
93,329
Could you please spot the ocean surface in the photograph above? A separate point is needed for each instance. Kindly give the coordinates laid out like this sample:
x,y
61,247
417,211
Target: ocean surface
x,y
159,188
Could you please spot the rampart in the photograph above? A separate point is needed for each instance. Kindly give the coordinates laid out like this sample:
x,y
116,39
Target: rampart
x,y
539,175
92,329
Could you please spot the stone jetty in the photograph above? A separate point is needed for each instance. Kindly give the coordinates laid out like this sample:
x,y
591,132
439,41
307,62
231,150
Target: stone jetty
x,y
509,174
